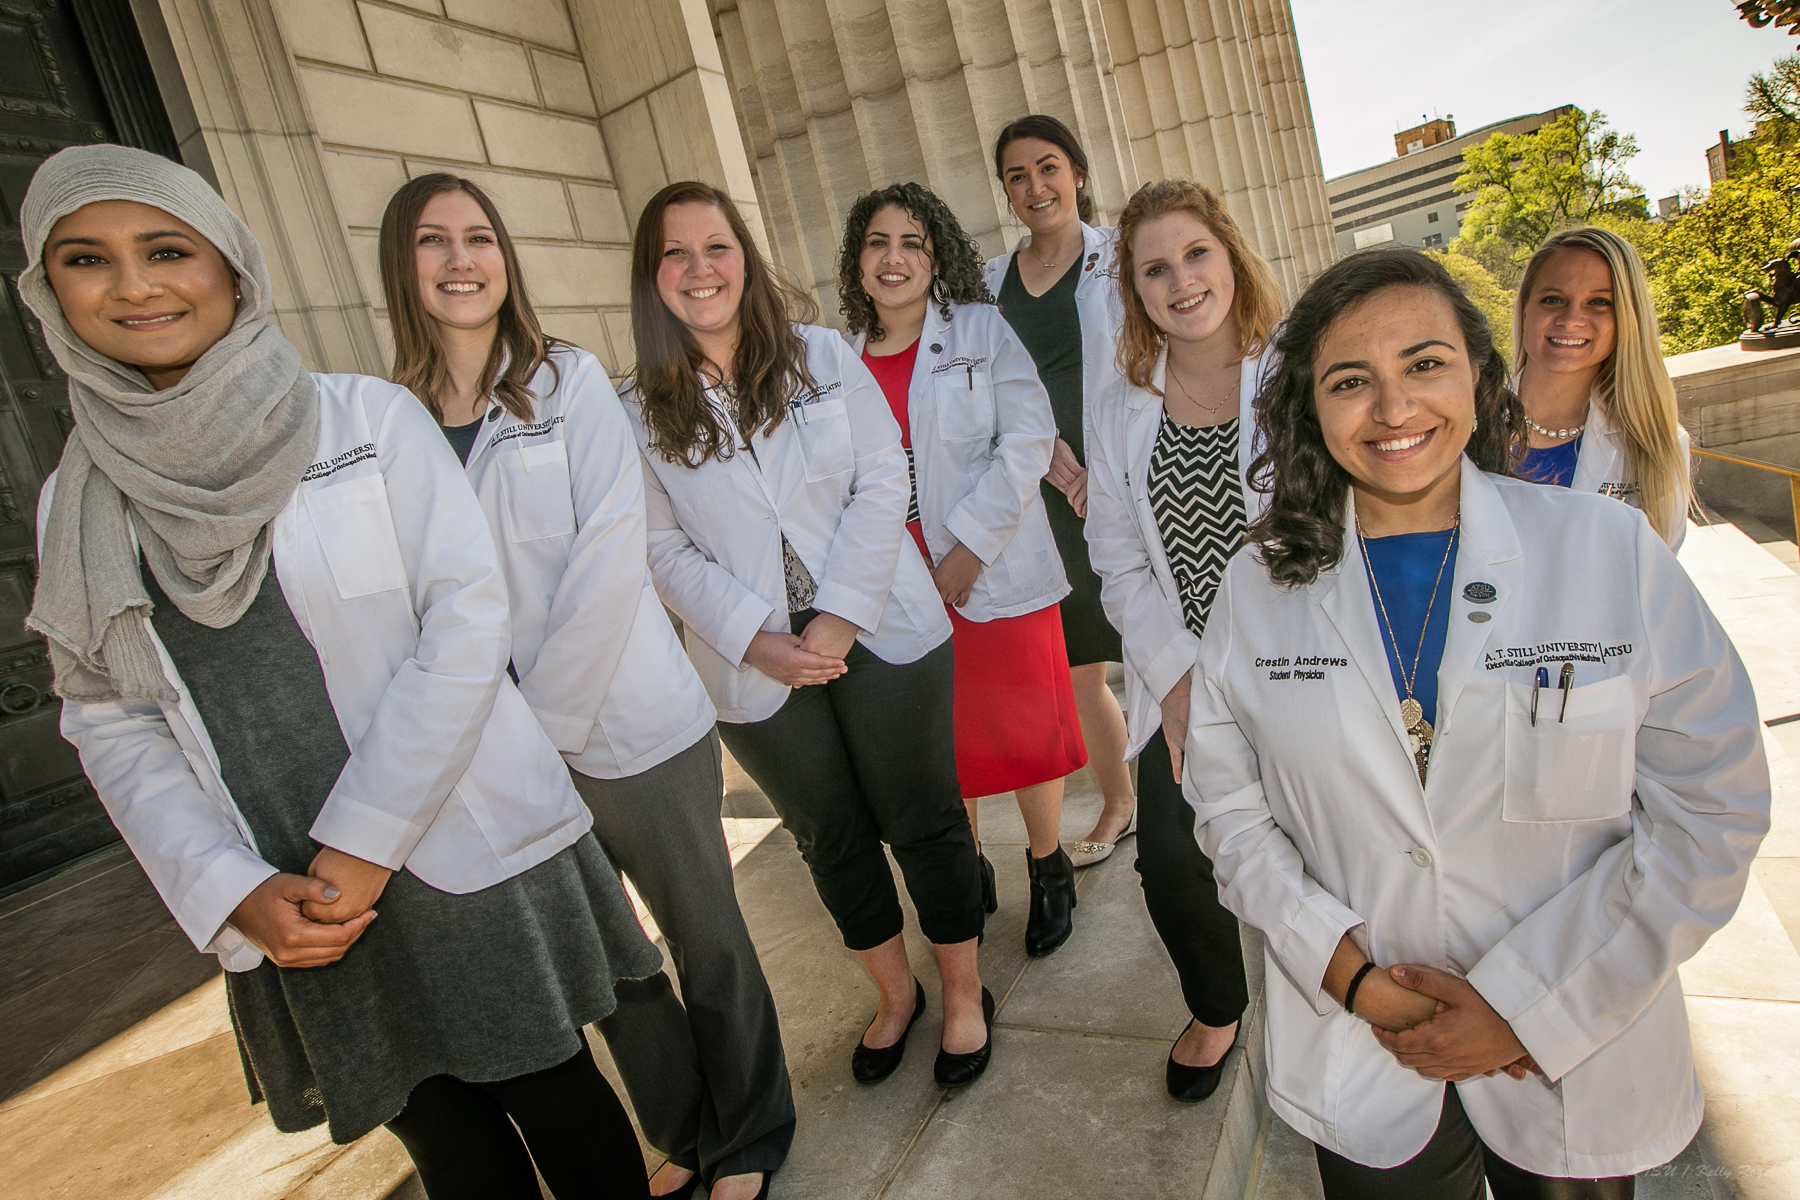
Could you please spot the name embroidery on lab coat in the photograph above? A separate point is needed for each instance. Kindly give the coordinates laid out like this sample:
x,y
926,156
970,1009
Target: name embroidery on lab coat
x,y
1550,652
1619,491
1300,667
519,431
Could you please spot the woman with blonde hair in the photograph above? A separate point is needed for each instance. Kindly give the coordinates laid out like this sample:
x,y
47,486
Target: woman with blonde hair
x,y
546,446
1600,410
1172,442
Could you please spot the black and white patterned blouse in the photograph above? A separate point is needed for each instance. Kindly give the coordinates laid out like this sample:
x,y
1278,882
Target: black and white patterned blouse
x,y
1198,499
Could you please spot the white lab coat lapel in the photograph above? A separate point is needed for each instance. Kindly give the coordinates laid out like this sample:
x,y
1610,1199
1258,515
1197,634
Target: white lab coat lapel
x,y
1343,595
1601,459
1487,552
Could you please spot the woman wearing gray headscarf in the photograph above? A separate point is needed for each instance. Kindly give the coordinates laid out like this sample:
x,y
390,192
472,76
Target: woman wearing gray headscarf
x,y
281,634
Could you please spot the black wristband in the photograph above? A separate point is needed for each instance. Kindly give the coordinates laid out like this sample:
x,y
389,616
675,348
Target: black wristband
x,y
1355,982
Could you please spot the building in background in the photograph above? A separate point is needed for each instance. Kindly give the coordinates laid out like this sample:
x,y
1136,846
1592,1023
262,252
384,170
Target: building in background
x,y
1721,156
307,114
1411,200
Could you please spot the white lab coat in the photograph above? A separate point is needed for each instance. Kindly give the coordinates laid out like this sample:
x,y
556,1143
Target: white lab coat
x,y
832,477
1526,863
386,563
1600,465
982,432
1137,586
1097,301
597,658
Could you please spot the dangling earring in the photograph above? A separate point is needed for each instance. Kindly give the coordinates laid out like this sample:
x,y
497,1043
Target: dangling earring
x,y
1475,424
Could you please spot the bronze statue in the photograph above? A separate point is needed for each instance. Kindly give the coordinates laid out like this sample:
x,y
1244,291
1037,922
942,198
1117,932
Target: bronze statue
x,y
1783,293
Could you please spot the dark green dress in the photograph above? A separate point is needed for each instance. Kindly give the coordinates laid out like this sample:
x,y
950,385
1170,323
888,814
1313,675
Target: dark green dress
x,y
1050,327
483,986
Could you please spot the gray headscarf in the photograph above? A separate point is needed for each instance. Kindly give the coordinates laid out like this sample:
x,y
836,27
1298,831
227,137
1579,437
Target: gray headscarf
x,y
198,469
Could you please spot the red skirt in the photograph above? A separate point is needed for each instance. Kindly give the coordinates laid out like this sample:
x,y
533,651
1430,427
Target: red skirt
x,y
1016,723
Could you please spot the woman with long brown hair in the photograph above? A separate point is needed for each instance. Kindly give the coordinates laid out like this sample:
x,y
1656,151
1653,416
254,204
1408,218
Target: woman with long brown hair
x,y
1059,291
546,446
1173,440
777,496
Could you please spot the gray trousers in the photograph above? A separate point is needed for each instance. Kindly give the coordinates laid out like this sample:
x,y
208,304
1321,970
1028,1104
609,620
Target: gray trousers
x,y
708,1079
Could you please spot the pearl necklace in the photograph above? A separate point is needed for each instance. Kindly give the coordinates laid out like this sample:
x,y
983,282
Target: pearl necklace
x,y
1558,434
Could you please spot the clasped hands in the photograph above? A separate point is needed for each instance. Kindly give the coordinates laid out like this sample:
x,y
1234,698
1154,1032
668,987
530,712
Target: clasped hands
x,y
1069,477
1431,1021
311,920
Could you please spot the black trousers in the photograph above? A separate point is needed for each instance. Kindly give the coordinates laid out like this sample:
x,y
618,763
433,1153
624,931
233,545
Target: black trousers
x,y
1455,1165
1200,935
463,1140
870,758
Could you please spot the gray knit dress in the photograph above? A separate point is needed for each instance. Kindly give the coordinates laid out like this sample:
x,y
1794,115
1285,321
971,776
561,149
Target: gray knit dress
x,y
483,986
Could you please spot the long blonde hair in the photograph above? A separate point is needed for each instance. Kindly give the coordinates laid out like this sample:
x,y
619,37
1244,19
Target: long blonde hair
x,y
1633,386
1255,303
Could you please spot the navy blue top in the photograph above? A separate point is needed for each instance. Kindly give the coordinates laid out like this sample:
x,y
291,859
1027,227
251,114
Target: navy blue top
x,y
1405,564
1551,464
462,437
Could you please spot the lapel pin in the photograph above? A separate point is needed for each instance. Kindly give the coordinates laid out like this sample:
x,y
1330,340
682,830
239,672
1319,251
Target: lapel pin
x,y
1480,593
1480,617
937,347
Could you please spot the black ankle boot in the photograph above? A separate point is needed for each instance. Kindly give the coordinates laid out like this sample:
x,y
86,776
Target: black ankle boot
x,y
1052,916
990,893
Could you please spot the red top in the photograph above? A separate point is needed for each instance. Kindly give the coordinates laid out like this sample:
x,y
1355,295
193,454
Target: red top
x,y
894,373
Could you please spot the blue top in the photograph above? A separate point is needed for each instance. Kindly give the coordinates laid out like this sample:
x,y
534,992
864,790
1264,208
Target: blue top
x,y
1551,464
1405,564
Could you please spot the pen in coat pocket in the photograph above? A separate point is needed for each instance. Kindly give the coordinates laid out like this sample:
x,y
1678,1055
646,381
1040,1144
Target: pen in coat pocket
x,y
1538,684
1565,683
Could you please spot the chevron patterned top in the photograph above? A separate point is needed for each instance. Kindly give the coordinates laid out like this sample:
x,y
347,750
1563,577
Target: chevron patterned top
x,y
1198,500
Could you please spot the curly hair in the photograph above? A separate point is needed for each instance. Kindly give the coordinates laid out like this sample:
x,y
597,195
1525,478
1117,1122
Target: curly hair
x,y
1302,532
955,258
1255,302
768,368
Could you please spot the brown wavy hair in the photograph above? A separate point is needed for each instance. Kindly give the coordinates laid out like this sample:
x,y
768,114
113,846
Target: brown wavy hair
x,y
1049,129
520,345
1255,304
1302,531
768,367
955,258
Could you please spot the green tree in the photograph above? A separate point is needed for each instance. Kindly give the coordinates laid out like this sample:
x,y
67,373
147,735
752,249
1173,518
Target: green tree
x,y
1716,251
1772,100
1494,301
1528,186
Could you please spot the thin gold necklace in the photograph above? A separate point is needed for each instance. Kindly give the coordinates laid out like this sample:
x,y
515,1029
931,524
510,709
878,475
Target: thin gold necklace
x,y
1412,713
1210,410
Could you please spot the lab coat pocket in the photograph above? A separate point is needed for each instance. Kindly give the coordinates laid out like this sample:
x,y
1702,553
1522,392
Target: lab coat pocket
x,y
356,531
537,497
824,431
1573,765
965,406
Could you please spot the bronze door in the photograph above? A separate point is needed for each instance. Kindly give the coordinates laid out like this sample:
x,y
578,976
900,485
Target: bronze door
x,y
71,72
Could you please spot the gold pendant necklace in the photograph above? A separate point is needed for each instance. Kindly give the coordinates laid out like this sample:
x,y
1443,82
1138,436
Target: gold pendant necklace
x,y
1211,411
1412,713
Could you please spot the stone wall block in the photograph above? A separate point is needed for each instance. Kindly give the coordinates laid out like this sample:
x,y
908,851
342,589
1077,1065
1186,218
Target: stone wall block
x,y
658,41
678,109
956,155
354,110
439,53
538,141
599,214
565,276
531,205
631,135
361,185
327,30
617,323
578,327
365,252
545,22
564,82
926,38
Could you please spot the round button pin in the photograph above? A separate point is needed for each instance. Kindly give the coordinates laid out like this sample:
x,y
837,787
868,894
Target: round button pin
x,y
937,347
1480,593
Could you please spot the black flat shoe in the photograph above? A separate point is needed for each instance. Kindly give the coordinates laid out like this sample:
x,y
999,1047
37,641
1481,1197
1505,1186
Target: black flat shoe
x,y
990,891
684,1192
1191,1085
870,1065
1052,916
960,1070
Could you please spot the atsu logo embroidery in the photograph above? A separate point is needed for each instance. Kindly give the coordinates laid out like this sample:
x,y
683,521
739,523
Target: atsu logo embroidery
x,y
332,466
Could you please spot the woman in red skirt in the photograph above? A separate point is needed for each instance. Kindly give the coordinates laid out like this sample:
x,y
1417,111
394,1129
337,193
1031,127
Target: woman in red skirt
x,y
978,431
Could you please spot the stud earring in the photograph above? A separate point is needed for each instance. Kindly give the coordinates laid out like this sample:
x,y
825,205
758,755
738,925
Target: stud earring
x,y
1475,424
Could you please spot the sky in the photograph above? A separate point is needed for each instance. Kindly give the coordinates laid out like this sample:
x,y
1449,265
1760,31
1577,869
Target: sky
x,y
1672,72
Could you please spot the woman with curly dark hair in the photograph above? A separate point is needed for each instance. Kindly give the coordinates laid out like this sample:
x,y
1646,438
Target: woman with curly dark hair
x,y
1477,760
977,428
